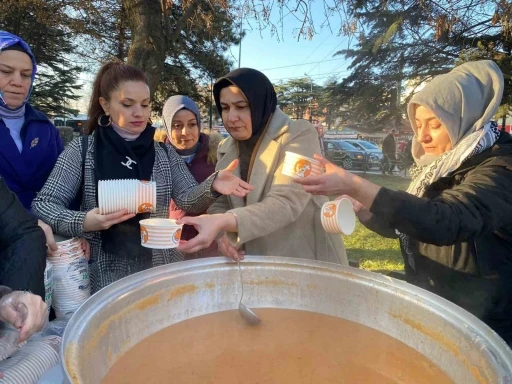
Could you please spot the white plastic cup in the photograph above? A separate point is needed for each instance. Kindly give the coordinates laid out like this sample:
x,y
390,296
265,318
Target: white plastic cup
x,y
338,216
70,272
296,165
48,284
160,233
136,196
146,196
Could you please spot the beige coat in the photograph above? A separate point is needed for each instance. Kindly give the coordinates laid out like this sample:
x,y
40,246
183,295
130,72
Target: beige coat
x,y
278,218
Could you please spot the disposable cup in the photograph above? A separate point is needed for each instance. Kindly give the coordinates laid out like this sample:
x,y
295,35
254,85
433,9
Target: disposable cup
x,y
136,196
296,165
338,216
160,233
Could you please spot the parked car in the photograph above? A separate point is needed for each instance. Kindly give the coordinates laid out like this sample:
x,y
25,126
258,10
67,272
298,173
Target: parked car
x,y
344,154
372,152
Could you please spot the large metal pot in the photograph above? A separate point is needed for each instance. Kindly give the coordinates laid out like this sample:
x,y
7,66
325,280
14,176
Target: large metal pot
x,y
126,312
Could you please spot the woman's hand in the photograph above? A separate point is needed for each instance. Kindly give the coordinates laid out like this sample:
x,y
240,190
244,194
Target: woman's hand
x,y
86,247
227,249
52,244
362,213
337,181
48,233
24,311
208,227
94,221
228,184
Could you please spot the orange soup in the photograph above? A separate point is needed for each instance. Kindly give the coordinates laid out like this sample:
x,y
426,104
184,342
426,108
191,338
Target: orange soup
x,y
287,347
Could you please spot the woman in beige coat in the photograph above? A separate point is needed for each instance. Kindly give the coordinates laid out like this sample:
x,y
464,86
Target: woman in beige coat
x,y
277,218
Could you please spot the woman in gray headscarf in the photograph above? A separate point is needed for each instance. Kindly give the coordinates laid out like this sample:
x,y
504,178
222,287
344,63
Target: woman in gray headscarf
x,y
455,221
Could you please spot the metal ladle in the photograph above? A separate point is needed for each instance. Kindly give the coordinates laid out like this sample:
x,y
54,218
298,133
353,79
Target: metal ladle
x,y
248,315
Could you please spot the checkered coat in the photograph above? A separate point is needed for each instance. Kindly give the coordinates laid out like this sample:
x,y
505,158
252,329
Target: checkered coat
x,y
173,181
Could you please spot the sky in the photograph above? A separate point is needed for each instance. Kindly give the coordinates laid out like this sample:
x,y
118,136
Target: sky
x,y
289,58
280,59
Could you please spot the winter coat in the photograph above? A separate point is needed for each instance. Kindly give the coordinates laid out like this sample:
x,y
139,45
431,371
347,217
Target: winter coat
x,y
389,145
278,218
25,173
22,246
173,181
461,234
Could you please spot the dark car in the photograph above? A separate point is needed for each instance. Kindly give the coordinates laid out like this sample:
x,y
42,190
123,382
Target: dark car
x,y
373,153
344,154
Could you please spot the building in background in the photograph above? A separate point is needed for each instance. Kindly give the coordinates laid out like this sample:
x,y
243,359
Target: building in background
x,y
76,122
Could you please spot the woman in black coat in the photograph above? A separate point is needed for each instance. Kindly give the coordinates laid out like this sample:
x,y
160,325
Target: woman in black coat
x,y
22,264
455,221
22,246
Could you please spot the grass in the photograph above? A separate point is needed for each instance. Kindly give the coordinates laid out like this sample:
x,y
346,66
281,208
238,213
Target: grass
x,y
372,251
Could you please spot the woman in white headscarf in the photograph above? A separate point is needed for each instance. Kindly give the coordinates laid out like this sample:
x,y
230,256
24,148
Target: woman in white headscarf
x,y
455,221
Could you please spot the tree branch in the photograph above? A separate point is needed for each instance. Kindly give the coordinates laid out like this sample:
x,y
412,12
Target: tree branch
x,y
182,22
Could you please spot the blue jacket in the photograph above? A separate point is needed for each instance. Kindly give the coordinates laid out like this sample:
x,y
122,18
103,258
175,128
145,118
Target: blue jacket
x,y
25,173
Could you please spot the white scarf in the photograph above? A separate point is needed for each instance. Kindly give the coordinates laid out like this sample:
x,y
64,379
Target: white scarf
x,y
450,161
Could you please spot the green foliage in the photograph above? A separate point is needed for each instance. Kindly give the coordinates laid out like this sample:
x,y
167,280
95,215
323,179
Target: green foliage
x,y
188,40
43,25
295,96
401,43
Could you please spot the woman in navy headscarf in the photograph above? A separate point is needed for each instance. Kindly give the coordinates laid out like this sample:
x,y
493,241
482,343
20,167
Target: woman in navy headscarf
x,y
29,142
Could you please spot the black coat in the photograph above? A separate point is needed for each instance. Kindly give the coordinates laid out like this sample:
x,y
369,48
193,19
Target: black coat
x,y
389,144
22,246
461,233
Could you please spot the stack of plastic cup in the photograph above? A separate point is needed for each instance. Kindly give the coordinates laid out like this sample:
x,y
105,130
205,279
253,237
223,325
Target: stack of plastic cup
x,y
31,361
136,196
48,284
71,286
9,340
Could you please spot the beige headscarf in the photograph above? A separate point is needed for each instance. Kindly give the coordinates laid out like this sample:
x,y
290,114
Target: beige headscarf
x,y
463,100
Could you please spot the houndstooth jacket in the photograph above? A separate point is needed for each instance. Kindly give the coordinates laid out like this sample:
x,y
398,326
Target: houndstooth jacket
x,y
173,181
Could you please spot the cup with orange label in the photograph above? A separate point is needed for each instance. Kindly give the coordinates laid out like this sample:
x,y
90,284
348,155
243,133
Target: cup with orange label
x,y
338,216
160,233
296,165
136,196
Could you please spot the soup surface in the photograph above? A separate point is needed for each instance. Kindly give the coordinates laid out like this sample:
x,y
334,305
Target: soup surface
x,y
288,346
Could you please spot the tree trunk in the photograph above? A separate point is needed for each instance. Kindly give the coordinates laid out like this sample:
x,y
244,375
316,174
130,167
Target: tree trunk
x,y
148,47
121,44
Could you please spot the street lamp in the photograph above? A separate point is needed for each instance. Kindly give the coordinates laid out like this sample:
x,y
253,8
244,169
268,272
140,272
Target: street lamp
x,y
310,98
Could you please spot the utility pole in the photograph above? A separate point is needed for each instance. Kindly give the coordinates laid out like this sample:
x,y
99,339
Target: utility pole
x,y
398,117
310,97
211,102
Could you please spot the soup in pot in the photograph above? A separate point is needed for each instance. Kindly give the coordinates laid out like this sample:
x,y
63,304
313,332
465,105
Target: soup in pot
x,y
288,346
